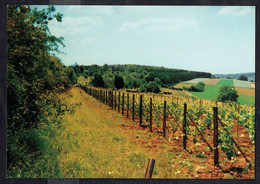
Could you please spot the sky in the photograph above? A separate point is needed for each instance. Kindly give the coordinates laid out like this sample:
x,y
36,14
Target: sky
x,y
215,39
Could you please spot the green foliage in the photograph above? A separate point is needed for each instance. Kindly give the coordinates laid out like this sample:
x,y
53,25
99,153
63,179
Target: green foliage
x,y
119,82
243,77
200,87
97,80
227,93
152,87
34,79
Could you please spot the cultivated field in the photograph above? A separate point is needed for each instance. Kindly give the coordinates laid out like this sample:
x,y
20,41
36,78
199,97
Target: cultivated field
x,y
197,80
225,82
241,84
212,82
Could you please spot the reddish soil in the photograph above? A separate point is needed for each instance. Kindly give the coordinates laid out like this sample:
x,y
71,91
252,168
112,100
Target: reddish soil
x,y
212,81
226,167
246,91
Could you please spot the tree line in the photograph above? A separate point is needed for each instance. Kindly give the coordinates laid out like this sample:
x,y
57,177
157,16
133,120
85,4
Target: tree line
x,y
147,78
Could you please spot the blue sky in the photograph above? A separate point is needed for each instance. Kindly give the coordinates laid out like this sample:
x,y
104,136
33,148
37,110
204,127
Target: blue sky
x,y
214,39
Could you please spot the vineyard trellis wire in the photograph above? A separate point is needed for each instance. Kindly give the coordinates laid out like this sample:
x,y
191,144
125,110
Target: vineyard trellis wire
x,y
198,115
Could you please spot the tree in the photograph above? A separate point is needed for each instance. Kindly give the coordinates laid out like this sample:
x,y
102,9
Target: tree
x,y
243,77
152,87
119,82
227,93
97,80
200,87
34,78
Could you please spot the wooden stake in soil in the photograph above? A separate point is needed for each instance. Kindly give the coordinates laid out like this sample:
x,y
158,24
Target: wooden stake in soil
x,y
149,170
215,136
112,99
106,97
127,107
115,100
118,102
184,126
133,108
151,115
238,109
123,103
164,118
141,110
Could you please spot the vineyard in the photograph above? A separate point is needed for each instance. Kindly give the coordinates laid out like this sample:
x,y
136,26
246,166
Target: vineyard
x,y
225,133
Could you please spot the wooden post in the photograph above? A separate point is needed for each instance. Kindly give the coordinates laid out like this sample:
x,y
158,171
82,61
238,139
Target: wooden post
x,y
141,110
123,103
184,126
112,99
133,108
238,109
164,118
106,97
149,169
151,115
118,102
115,100
127,106
215,136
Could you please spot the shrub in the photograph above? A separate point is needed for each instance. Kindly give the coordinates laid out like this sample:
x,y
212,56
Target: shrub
x,y
119,82
227,93
97,80
200,87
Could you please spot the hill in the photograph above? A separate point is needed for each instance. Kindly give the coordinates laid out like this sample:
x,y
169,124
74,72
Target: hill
x,y
250,76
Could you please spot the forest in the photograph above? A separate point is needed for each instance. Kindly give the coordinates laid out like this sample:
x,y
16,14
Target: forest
x,y
136,76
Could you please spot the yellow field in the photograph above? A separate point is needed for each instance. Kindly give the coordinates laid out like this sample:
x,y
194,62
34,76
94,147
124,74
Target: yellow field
x,y
181,85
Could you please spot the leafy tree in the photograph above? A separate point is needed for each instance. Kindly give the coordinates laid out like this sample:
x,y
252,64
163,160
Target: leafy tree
x,y
227,93
119,82
200,87
152,87
243,77
34,77
97,80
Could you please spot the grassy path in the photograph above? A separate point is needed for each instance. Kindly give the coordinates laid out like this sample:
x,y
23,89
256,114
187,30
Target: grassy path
x,y
95,145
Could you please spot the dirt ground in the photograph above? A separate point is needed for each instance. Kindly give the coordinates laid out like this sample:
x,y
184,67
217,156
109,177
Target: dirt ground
x,y
246,91
234,168
212,82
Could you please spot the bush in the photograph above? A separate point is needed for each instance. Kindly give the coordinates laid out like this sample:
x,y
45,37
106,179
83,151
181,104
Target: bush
x,y
152,87
227,93
119,82
97,80
200,87
243,77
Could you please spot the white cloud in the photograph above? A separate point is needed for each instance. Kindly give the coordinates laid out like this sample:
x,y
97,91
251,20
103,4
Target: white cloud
x,y
234,11
96,10
75,25
156,24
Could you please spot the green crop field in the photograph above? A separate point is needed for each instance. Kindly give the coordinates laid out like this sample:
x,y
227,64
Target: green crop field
x,y
225,82
243,99
210,92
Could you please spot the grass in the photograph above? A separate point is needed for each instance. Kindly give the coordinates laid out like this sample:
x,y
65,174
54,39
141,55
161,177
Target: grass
x,y
210,92
94,145
225,82
249,100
